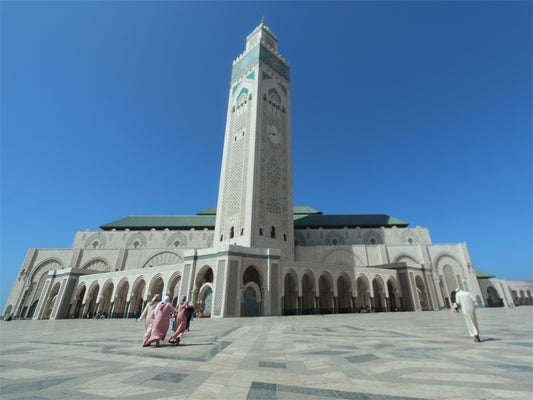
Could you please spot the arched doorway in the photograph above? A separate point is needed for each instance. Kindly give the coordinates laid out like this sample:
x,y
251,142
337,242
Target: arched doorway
x,y
251,295
91,301
422,293
205,304
119,307
156,287
308,293
136,299
394,296
250,302
363,294
173,288
493,298
8,311
104,304
204,282
344,292
379,294
325,299
290,299
32,309
451,283
78,302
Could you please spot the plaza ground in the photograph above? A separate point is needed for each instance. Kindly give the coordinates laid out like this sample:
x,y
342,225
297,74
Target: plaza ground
x,y
383,356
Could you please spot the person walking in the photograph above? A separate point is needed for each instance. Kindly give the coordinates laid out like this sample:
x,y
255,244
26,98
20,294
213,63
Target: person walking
x,y
161,321
148,317
181,321
465,301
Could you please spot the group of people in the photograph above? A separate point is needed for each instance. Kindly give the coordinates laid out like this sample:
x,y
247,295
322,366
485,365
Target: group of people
x,y
156,316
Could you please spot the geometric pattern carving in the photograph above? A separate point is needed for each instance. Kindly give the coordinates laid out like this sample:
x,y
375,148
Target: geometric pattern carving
x,y
232,287
219,289
97,265
342,257
334,238
137,240
299,238
177,240
95,241
373,237
165,258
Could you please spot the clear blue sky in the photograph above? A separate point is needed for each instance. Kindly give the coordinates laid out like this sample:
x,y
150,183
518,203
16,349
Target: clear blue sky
x,y
418,110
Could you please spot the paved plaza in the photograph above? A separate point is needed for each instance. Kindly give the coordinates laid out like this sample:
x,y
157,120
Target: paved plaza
x,y
386,356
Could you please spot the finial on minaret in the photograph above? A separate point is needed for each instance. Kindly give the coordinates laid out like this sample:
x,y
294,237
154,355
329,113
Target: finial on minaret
x,y
263,21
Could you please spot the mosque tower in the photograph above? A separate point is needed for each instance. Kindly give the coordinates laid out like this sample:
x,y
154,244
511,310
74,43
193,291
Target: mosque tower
x,y
255,206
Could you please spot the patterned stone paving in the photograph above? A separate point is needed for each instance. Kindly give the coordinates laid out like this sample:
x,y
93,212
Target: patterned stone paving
x,y
389,356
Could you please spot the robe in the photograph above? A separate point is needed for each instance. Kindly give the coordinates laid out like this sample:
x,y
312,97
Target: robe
x,y
466,304
181,323
148,317
161,322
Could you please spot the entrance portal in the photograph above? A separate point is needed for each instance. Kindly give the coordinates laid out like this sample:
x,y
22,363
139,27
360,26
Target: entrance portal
x,y
250,306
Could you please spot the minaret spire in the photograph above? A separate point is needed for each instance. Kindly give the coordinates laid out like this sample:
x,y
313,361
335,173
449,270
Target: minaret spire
x,y
263,21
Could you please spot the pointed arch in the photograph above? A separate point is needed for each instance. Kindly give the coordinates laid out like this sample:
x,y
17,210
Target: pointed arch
x,y
97,264
162,258
342,257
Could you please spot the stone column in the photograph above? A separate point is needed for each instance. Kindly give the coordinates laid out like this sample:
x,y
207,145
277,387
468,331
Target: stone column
x,y
335,304
126,310
372,305
111,309
387,304
299,311
83,309
317,305
354,304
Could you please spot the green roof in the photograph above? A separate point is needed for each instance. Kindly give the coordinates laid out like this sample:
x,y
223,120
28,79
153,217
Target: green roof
x,y
144,222
209,211
349,220
482,274
304,217
298,210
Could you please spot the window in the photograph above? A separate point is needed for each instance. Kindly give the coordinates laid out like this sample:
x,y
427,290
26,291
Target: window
x,y
273,233
242,231
284,237
231,233
221,237
260,231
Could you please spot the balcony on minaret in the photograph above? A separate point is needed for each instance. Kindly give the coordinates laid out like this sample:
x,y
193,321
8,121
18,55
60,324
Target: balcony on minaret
x,y
262,35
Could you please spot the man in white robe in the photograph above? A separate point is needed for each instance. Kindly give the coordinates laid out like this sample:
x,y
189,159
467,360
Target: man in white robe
x,y
466,303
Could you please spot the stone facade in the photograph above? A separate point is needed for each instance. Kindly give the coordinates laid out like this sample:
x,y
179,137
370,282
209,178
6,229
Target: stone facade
x,y
257,254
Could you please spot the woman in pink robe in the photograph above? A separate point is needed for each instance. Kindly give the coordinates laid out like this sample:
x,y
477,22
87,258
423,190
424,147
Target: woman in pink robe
x,y
161,321
148,317
181,321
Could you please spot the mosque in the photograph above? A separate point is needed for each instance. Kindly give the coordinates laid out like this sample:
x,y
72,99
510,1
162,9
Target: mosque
x,y
254,254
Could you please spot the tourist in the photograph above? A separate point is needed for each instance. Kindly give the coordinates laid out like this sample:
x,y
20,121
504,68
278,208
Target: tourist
x,y
148,316
181,323
466,303
189,313
161,321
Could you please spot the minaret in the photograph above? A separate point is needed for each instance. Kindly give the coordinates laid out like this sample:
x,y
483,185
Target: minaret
x,y
255,206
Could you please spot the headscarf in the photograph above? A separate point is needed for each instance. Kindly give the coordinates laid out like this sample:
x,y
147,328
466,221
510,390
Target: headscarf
x,y
183,299
165,300
155,299
457,290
